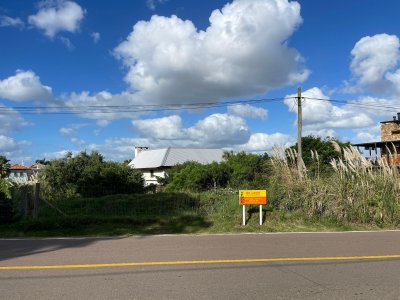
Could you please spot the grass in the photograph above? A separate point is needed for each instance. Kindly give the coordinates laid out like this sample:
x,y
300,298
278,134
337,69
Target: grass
x,y
212,212
357,195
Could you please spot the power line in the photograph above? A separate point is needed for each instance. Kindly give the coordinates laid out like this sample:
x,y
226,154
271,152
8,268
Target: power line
x,y
137,108
108,109
358,104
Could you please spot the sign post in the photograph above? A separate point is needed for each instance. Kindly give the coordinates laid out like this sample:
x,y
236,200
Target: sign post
x,y
249,197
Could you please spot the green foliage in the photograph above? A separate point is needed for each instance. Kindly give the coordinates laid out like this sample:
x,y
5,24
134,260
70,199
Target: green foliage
x,y
325,149
193,176
4,167
246,170
88,176
6,207
238,170
43,161
355,191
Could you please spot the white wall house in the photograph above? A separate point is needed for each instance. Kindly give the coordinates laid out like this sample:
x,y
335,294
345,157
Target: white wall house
x,y
154,163
23,173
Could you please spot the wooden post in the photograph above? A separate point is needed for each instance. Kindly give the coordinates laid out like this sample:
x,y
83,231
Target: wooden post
x,y
36,201
299,129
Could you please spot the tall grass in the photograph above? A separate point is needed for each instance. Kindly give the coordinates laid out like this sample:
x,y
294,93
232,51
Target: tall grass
x,y
357,190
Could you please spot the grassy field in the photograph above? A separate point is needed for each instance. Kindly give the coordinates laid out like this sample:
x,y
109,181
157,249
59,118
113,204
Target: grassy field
x,y
211,212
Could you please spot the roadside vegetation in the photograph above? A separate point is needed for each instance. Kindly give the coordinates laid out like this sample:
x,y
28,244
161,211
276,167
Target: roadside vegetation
x,y
84,195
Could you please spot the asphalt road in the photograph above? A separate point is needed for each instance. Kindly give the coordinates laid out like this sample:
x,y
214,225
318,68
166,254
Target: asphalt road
x,y
248,266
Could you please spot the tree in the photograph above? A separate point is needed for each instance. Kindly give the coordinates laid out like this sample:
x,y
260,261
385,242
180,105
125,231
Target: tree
x,y
4,167
42,161
237,170
324,148
246,169
89,175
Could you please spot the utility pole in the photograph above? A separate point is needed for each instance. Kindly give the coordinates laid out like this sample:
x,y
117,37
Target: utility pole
x,y
299,129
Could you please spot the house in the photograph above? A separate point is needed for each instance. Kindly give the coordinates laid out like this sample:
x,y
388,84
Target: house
x,y
389,145
22,172
154,162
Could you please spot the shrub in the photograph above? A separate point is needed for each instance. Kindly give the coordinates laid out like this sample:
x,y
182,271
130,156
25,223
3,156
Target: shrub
x,y
238,170
6,207
88,176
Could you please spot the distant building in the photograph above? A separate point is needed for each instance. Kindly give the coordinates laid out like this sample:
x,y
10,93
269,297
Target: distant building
x,y
389,145
22,172
154,163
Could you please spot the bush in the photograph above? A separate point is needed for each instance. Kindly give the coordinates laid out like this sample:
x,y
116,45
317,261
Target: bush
x,y
88,176
6,206
238,170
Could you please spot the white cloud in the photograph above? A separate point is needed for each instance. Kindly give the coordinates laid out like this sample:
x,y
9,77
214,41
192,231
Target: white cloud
x,y
57,16
320,132
96,37
151,4
66,42
166,128
394,79
12,149
24,86
374,56
6,21
71,132
10,120
242,52
220,130
374,62
248,111
58,154
366,137
322,114
216,130
65,131
78,102
266,142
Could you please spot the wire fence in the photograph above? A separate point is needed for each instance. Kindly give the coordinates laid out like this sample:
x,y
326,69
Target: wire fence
x,y
125,205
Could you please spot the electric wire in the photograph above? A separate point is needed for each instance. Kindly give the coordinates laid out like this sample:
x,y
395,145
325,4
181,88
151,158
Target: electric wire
x,y
143,108
108,109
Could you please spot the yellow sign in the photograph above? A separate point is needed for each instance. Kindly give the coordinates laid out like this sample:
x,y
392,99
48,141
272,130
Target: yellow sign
x,y
247,197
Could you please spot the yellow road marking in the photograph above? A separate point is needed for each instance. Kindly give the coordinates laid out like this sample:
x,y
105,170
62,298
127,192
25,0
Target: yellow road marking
x,y
201,262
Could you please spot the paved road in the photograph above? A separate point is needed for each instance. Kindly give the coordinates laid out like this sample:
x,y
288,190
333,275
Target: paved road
x,y
252,266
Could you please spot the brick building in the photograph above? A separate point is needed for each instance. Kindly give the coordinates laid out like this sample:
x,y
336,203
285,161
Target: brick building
x,y
389,145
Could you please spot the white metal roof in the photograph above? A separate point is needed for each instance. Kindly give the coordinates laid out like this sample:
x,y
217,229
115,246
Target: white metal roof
x,y
168,157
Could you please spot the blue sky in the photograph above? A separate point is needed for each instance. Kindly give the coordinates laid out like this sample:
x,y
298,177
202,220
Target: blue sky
x,y
77,56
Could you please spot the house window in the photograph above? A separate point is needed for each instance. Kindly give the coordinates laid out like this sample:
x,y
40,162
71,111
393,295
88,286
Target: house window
x,y
152,173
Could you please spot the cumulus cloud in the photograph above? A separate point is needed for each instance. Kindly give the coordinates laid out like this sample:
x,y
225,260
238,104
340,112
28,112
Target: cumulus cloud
x,y
24,86
248,111
320,114
166,128
58,154
216,130
320,132
100,103
12,149
57,16
6,21
220,130
374,58
243,52
10,120
266,142
371,135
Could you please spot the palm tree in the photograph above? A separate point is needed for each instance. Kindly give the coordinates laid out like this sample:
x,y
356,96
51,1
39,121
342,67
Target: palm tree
x,y
4,167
